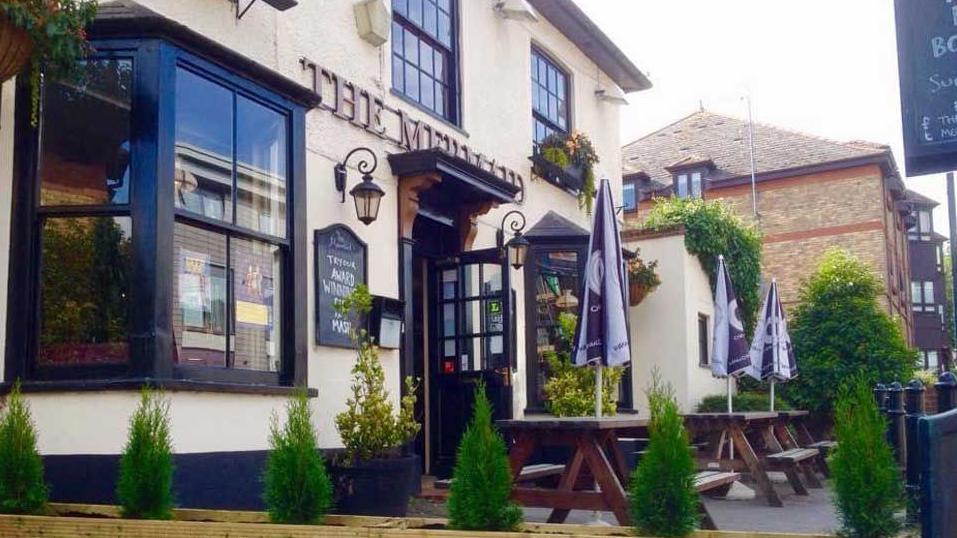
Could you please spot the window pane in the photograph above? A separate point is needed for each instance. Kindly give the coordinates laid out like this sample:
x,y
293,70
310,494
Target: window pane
x,y
932,362
257,285
204,146
445,30
411,47
425,57
915,292
439,99
397,37
399,6
682,186
696,184
928,292
428,18
398,74
199,302
628,196
415,11
84,289
412,82
426,90
925,221
85,137
261,170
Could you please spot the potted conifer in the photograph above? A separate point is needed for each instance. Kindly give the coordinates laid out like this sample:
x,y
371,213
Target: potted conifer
x,y
373,477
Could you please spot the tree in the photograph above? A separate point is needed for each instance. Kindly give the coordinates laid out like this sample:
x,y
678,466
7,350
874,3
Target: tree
x,y
865,476
482,479
145,485
297,488
664,501
22,489
839,331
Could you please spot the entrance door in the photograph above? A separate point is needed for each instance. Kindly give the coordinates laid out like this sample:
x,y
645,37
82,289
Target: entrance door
x,y
471,334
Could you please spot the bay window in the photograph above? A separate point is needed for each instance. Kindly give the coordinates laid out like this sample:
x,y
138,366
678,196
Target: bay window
x,y
162,227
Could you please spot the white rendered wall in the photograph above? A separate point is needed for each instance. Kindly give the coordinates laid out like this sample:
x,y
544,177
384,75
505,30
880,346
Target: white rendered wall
x,y
664,326
496,121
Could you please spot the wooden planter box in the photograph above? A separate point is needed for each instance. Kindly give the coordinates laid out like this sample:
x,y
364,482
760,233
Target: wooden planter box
x,y
95,521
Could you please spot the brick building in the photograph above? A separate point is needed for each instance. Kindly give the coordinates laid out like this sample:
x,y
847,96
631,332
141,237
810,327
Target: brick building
x,y
928,293
811,194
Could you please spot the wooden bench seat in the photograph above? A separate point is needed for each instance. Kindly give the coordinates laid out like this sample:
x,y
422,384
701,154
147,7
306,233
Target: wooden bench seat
x,y
794,460
825,448
530,473
716,483
826,445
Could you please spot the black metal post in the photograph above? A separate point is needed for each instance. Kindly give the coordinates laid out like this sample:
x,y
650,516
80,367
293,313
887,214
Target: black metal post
x,y
952,218
895,420
914,406
880,396
946,392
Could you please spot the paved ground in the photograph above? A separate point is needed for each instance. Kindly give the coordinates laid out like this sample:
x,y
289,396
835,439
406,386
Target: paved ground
x,y
813,514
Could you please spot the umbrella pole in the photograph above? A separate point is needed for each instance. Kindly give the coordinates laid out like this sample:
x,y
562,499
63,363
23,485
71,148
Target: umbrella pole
x,y
598,389
772,394
730,407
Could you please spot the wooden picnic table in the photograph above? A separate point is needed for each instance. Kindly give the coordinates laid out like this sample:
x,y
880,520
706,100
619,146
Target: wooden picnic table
x,y
732,430
594,446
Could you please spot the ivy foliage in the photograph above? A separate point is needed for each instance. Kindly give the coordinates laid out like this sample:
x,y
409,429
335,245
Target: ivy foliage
x,y
711,230
866,481
22,489
369,427
145,486
297,488
570,389
838,331
664,501
482,479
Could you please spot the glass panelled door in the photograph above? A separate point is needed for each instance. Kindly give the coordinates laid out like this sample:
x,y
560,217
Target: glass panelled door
x,y
472,343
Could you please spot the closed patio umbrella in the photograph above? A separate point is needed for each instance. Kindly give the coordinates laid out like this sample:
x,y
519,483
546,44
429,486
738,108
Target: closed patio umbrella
x,y
771,352
730,352
602,335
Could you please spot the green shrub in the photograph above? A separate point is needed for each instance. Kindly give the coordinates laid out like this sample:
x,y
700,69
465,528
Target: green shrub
x,y
22,489
742,401
865,476
711,229
297,488
839,331
482,479
664,501
145,486
570,389
369,427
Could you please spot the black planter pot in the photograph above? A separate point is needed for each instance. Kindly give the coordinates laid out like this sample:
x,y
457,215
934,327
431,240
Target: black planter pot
x,y
375,487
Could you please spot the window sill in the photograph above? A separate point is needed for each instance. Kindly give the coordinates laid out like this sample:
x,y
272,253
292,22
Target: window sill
x,y
171,385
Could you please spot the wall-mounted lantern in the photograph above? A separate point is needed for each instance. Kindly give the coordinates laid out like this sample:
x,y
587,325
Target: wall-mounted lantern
x,y
367,195
278,5
517,245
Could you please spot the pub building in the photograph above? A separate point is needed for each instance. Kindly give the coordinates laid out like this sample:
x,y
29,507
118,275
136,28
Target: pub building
x,y
187,214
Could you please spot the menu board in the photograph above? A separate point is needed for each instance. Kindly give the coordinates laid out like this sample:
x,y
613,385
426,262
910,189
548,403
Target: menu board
x,y
340,266
927,63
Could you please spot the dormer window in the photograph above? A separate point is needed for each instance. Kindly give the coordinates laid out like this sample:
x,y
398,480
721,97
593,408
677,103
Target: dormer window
x,y
922,227
688,184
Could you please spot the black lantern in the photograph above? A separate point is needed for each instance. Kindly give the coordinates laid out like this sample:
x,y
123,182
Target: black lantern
x,y
367,194
517,245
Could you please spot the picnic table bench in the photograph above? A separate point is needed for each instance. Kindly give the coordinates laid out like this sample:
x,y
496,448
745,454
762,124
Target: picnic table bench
x,y
715,483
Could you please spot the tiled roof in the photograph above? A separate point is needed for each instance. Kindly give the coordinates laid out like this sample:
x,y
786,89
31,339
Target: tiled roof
x,y
724,141
920,199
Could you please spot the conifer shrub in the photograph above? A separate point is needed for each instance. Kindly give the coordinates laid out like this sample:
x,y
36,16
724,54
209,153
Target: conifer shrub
x,y
864,474
22,488
297,488
664,501
145,486
482,479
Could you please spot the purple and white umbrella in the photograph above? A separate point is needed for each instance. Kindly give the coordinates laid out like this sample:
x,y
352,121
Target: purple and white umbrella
x,y
729,350
772,356
602,336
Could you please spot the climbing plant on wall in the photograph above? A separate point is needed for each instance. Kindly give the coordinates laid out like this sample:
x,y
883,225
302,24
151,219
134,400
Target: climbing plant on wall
x,y
711,229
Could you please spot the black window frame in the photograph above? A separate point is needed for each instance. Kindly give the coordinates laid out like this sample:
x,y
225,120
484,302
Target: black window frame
x,y
632,184
689,174
151,207
541,56
704,355
453,101
917,232
920,302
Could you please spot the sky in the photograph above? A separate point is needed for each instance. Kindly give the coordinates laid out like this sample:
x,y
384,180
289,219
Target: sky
x,y
824,67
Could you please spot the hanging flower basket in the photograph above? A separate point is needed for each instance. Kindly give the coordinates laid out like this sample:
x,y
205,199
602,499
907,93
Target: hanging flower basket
x,y
637,293
642,279
15,49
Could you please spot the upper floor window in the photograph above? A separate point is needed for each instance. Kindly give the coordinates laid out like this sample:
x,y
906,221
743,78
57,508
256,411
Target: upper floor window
x,y
424,56
922,296
923,226
629,196
688,184
550,111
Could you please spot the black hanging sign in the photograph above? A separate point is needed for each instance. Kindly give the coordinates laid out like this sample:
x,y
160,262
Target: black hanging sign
x,y
340,266
927,64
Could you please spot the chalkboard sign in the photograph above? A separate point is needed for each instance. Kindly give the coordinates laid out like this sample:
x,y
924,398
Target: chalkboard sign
x,y
340,267
927,62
